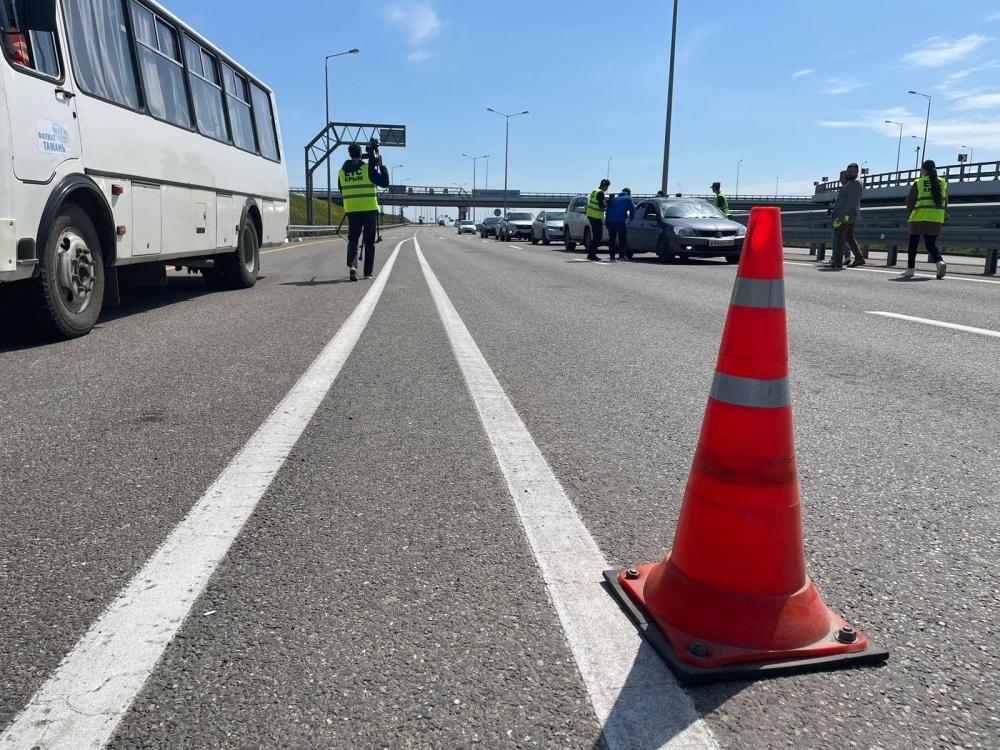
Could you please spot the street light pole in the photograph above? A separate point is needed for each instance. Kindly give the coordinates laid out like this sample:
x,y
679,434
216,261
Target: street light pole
x,y
506,149
971,152
665,182
738,165
776,187
918,151
899,146
607,175
326,83
474,160
927,122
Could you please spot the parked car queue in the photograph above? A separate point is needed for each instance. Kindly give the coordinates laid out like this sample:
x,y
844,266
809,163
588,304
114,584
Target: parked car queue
x,y
673,228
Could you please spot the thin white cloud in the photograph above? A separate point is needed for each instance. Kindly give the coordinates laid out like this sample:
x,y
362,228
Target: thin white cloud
x,y
984,133
979,101
418,56
994,17
418,20
803,72
937,52
842,85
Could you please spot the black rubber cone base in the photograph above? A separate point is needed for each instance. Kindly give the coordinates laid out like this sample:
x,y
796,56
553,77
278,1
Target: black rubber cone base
x,y
690,674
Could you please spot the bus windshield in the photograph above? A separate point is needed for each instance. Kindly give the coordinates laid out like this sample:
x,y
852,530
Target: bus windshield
x,y
28,41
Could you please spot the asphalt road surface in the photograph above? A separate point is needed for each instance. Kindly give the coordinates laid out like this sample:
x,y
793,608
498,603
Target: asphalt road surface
x,y
389,582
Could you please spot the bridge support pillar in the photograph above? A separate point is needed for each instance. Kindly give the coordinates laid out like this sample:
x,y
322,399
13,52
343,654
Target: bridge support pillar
x,y
893,256
812,248
991,262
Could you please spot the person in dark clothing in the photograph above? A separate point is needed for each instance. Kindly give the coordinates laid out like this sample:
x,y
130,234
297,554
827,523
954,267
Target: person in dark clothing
x,y
621,208
359,183
596,206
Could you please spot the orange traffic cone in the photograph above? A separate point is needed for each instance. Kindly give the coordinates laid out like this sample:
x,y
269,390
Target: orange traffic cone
x,y
732,598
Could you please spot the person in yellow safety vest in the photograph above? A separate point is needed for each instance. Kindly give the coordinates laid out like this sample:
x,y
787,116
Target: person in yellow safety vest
x,y
359,184
721,202
927,201
595,215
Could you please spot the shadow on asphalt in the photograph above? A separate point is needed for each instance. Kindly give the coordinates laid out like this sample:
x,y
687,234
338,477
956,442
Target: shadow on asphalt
x,y
314,282
24,333
913,280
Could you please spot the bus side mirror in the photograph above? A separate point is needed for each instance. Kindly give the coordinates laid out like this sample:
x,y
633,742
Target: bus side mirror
x,y
40,15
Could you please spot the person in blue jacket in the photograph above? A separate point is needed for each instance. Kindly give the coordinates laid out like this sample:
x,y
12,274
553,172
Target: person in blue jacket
x,y
620,209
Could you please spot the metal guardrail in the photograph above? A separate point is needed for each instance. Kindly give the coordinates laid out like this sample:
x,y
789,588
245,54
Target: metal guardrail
x,y
968,226
332,229
978,172
521,196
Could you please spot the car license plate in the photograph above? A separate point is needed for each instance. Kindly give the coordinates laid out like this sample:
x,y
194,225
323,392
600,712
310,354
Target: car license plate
x,y
720,242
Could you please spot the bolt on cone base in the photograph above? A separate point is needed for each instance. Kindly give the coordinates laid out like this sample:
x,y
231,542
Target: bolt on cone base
x,y
692,674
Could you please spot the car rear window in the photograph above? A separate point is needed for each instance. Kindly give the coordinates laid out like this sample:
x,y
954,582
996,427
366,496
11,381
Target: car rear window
x,y
520,217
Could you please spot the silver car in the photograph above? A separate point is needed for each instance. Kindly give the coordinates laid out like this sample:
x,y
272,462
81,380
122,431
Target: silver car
x,y
547,226
466,226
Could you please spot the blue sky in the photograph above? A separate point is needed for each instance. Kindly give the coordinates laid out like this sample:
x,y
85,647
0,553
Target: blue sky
x,y
794,88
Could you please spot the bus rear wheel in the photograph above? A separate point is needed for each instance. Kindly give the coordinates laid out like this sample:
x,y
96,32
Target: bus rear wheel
x,y
237,270
69,291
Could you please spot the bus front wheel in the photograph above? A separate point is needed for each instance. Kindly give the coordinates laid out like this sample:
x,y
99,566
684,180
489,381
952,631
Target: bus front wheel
x,y
69,291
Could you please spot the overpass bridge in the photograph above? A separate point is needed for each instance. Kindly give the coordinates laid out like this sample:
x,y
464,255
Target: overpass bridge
x,y
967,183
461,199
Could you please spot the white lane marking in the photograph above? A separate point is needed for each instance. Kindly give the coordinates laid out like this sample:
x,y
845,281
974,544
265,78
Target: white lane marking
x,y
951,277
938,323
82,702
516,247
636,698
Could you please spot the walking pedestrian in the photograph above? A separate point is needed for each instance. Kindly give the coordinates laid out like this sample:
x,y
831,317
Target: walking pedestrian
x,y
621,208
845,248
846,213
359,183
595,215
927,201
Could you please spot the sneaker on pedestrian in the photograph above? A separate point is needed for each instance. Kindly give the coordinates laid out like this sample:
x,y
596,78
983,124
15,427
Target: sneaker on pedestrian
x,y
907,274
593,258
942,269
368,275
354,273
857,262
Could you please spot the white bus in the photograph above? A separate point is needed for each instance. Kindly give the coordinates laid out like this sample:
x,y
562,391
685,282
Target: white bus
x,y
132,144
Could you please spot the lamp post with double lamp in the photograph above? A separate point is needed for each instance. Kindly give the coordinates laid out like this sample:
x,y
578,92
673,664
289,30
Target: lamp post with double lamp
x,y
329,177
927,122
474,160
506,149
899,146
738,165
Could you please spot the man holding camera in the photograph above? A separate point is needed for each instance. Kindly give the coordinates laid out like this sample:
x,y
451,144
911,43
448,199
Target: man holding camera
x,y
359,183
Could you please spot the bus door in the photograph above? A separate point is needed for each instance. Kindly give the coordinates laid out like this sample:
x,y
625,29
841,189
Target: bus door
x,y
42,102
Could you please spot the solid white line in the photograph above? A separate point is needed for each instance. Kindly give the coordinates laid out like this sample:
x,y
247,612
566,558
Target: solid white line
x,y
952,277
636,698
938,323
82,702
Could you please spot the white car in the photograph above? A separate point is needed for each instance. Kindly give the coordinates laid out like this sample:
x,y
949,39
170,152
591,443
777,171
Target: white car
x,y
466,227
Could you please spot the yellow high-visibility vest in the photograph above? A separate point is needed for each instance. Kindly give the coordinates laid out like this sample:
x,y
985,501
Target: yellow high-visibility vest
x,y
360,193
594,210
925,208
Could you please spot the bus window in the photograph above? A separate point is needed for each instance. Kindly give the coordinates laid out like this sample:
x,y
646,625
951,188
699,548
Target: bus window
x,y
264,119
25,46
100,50
206,89
160,63
238,102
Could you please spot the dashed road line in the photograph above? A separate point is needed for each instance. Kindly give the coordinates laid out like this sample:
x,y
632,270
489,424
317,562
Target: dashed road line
x,y
635,697
938,323
83,701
